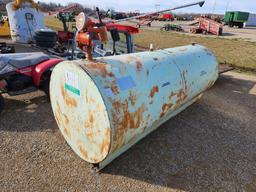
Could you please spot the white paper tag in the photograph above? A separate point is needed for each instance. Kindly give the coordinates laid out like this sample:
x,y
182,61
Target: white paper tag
x,y
71,83
72,79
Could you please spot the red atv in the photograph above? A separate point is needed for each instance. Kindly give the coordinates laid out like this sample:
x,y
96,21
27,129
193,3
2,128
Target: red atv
x,y
22,73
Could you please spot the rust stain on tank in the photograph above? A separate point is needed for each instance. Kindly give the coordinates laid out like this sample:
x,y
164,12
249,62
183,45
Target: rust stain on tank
x,y
165,108
67,132
66,119
100,69
68,100
82,151
120,123
153,91
106,142
135,119
58,114
180,97
123,120
89,134
114,88
89,121
132,98
139,65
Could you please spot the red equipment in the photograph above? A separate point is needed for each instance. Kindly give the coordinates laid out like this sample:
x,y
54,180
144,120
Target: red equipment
x,y
168,17
148,18
122,28
89,30
25,72
64,36
69,8
207,25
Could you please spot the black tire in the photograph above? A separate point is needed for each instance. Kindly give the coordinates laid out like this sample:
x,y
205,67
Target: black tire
x,y
45,39
45,44
48,36
46,88
46,33
241,25
1,103
45,85
221,31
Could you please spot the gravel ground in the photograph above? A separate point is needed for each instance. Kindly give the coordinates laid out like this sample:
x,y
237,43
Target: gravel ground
x,y
208,147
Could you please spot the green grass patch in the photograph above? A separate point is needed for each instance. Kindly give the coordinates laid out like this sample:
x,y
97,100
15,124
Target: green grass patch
x,y
238,53
55,23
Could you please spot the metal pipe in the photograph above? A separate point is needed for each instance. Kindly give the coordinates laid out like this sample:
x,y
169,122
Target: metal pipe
x,y
105,106
200,3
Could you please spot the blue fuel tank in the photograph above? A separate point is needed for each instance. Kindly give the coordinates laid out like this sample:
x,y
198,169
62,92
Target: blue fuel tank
x,y
104,107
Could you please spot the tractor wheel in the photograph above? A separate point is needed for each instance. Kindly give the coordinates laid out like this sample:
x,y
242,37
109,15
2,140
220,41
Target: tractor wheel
x,y
46,88
1,103
45,85
45,39
45,33
45,44
241,25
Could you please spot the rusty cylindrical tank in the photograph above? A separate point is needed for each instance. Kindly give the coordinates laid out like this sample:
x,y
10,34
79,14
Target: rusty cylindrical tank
x,y
104,107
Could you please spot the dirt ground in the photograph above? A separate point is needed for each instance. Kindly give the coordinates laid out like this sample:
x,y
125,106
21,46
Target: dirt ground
x,y
208,147
247,33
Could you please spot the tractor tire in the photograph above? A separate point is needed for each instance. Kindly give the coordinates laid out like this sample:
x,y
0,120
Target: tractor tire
x,y
45,33
241,25
45,44
45,85
1,103
221,31
45,39
46,88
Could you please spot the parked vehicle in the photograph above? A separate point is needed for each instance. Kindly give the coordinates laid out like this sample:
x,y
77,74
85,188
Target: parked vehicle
x,y
236,18
166,17
251,22
22,73
171,27
207,25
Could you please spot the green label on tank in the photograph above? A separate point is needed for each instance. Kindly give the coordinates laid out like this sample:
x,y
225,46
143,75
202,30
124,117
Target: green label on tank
x,y
72,89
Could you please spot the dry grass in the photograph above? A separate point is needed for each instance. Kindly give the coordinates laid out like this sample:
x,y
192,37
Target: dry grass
x,y
236,52
54,23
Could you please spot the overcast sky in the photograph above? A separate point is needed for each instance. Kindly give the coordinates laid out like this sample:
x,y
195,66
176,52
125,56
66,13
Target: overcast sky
x,y
216,6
